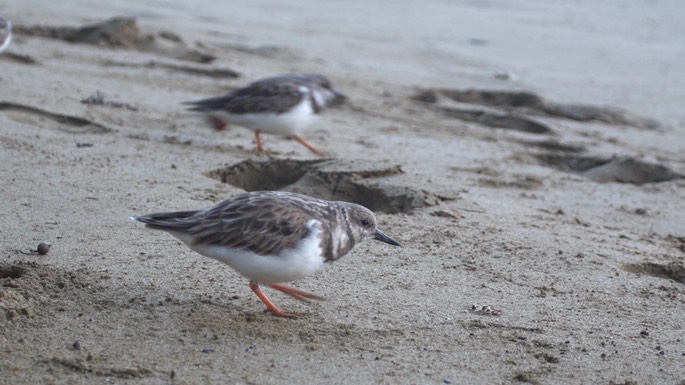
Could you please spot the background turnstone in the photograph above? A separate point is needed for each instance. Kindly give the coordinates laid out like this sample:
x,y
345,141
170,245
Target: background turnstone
x,y
280,105
5,33
272,236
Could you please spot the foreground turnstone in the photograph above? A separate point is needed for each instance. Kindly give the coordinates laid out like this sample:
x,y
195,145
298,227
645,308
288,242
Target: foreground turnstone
x,y
280,105
5,33
271,237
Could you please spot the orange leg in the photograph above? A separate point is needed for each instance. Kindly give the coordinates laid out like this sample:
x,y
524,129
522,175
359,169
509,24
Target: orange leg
x,y
275,310
296,293
258,139
309,146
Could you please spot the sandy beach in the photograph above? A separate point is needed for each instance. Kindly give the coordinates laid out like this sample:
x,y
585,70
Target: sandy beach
x,y
529,156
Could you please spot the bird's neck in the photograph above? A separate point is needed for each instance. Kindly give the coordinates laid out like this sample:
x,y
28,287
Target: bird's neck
x,y
339,240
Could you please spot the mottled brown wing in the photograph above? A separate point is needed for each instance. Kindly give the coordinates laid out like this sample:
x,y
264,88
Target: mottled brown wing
x,y
260,224
277,97
307,79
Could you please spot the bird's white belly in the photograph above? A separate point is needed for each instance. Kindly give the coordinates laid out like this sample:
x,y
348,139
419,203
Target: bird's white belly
x,y
303,260
288,123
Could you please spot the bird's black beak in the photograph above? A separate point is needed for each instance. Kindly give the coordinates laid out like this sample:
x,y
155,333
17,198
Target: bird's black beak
x,y
379,236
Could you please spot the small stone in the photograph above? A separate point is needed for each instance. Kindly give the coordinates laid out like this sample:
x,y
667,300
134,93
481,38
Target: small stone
x,y
43,248
505,75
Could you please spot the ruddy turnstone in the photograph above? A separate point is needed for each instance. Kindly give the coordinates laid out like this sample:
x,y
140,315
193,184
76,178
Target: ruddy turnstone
x,y
281,105
271,237
5,33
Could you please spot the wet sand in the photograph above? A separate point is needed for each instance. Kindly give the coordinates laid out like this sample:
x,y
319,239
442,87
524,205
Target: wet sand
x,y
540,208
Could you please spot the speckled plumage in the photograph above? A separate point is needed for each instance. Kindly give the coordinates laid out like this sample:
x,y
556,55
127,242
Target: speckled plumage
x,y
272,236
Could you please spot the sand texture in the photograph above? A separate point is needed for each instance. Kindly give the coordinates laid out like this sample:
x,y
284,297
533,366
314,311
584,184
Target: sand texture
x,y
540,204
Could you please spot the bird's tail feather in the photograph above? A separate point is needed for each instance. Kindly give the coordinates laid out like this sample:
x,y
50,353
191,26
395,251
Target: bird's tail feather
x,y
166,221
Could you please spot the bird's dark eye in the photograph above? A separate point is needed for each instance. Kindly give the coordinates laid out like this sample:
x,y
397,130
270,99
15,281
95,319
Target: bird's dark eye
x,y
365,222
